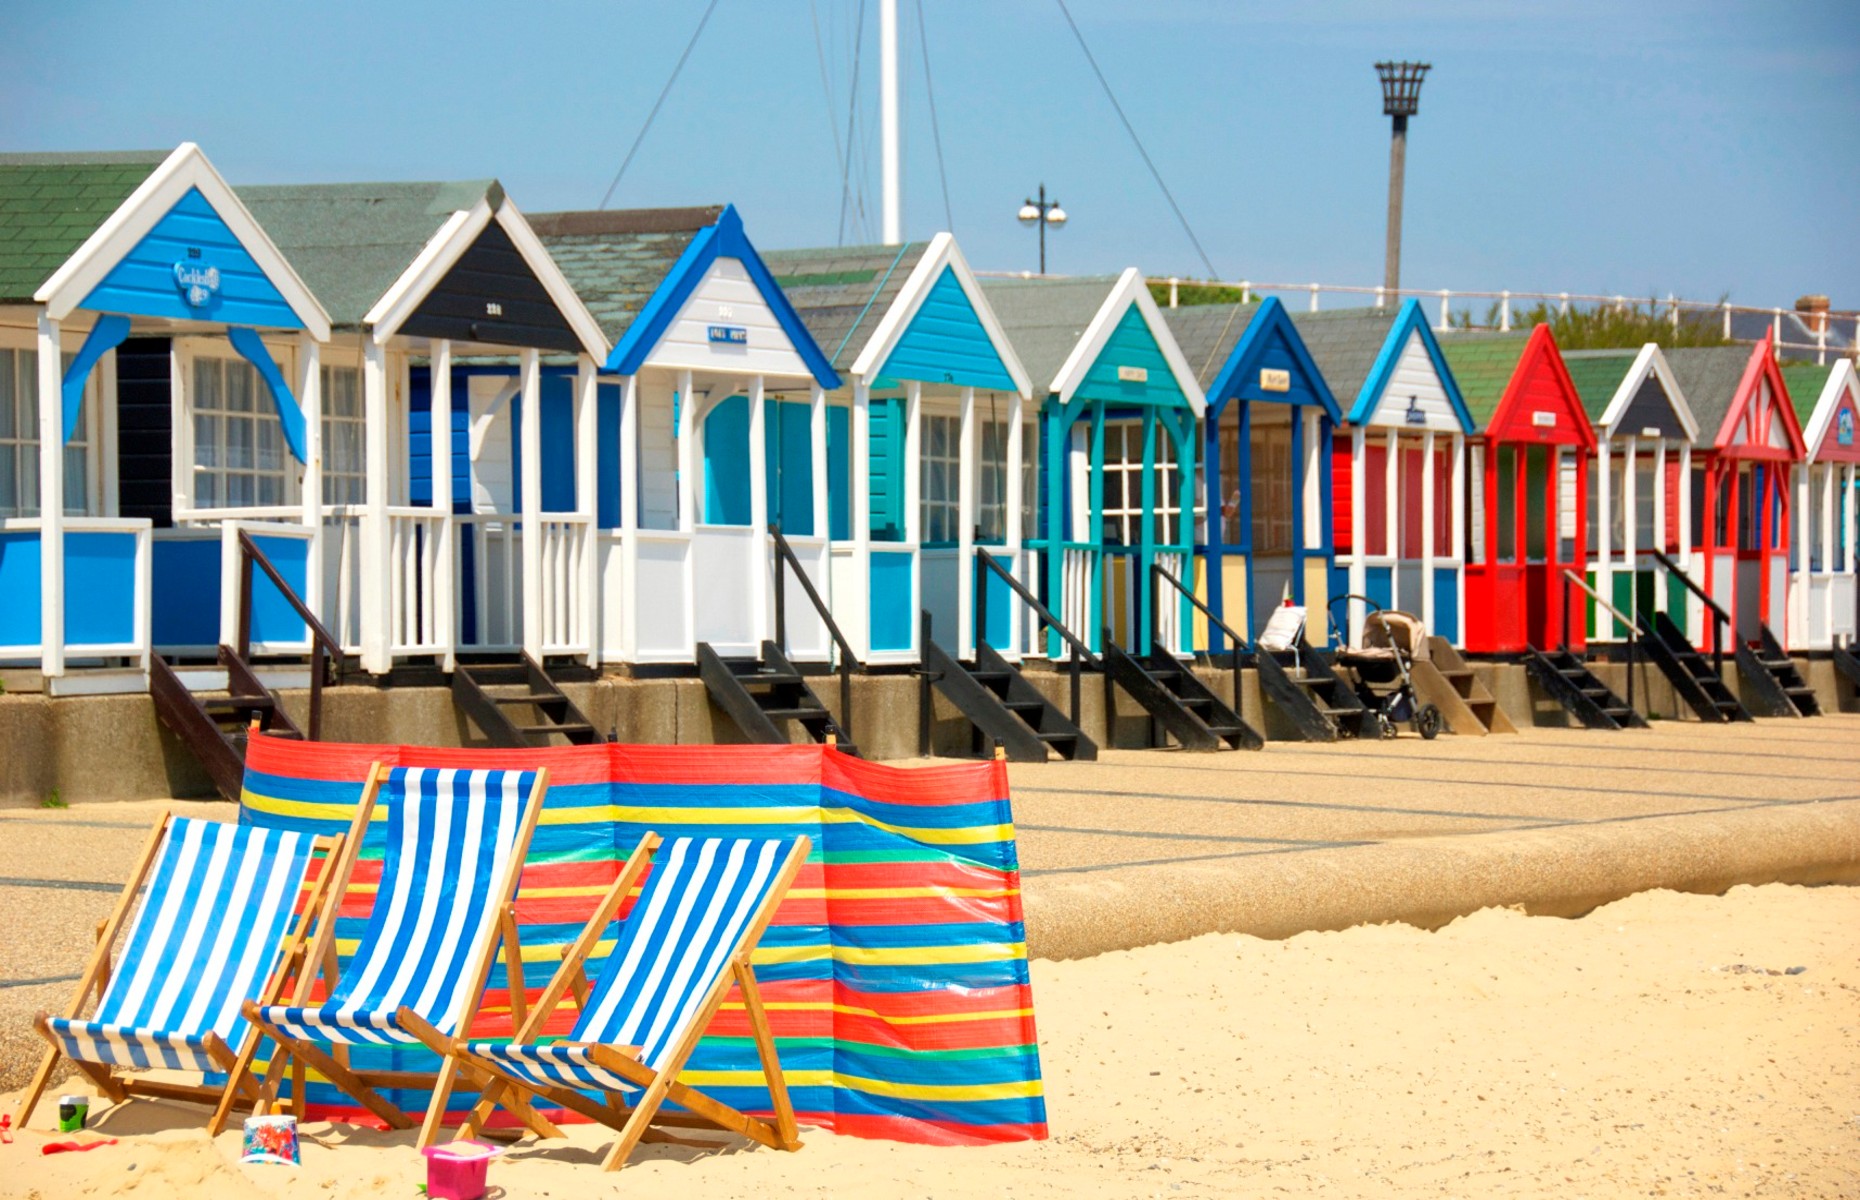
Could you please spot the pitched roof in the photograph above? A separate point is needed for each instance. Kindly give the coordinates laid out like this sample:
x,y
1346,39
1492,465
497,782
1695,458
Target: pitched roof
x,y
1597,375
50,204
1806,382
351,242
617,259
1208,333
1483,364
1045,318
1709,376
1345,343
842,293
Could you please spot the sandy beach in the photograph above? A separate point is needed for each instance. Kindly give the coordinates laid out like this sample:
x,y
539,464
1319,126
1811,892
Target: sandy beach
x,y
1658,1046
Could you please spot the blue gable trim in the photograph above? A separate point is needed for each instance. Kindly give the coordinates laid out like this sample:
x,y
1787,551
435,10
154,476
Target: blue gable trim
x,y
725,239
946,343
1271,342
225,280
1410,320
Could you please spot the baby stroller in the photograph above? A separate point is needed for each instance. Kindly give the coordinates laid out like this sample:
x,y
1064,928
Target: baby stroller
x,y
1382,665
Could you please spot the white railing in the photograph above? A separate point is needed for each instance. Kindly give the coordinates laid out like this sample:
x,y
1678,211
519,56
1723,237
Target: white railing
x,y
1075,602
566,610
1169,602
96,593
1824,325
421,581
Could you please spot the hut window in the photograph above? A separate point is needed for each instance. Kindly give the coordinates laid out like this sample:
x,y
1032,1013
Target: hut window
x,y
992,480
1645,482
343,429
1123,486
1272,488
1413,464
1230,474
19,439
1443,502
1505,466
942,467
240,459
1475,504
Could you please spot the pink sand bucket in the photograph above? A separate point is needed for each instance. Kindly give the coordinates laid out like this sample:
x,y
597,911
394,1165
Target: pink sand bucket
x,y
455,1171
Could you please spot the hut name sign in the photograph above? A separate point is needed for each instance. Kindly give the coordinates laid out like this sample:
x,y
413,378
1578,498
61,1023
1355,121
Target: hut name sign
x,y
199,282
1545,420
729,335
1272,379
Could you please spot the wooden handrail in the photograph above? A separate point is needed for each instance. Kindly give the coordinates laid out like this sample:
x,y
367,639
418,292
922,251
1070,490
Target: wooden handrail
x,y
786,559
1158,571
1045,614
322,641
1632,625
1718,626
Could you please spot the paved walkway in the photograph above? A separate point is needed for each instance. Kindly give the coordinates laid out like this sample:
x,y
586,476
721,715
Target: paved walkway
x,y
1146,846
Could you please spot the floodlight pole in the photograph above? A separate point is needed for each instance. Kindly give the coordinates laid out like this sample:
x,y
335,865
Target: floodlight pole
x,y
890,154
1401,98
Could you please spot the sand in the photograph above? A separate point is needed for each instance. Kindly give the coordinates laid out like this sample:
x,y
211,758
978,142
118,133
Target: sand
x,y
1657,1046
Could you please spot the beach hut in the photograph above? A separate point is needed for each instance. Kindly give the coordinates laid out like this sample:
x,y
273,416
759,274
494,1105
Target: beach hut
x,y
716,429
1821,591
437,535
1118,491
1527,491
929,442
1267,437
1639,501
158,380
1749,442
1398,479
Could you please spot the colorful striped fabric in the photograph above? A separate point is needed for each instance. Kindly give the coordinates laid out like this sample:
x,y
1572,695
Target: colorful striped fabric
x,y
206,937
449,840
894,972
689,918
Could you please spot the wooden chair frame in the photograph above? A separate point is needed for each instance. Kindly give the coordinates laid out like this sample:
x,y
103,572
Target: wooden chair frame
x,y
318,899
363,1086
637,1123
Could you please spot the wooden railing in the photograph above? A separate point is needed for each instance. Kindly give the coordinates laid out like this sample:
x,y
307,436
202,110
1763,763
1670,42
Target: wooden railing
x,y
785,561
1081,653
1160,574
326,654
1721,619
1617,614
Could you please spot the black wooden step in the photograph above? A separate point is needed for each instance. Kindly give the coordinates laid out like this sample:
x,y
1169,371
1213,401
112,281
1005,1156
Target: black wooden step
x,y
1002,707
781,694
471,681
1178,704
1578,691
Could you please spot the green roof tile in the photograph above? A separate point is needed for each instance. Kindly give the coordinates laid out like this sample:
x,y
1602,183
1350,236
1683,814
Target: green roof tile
x,y
1597,375
51,203
1806,382
1483,365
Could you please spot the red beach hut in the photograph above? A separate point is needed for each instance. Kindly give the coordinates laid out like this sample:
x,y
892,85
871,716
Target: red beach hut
x,y
1528,491
1749,441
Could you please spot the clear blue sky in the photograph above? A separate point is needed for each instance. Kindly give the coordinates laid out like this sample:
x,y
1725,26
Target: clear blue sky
x,y
1700,147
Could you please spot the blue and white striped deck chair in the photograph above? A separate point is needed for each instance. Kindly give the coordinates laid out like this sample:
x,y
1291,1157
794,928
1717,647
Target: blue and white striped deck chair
x,y
455,845
687,938
221,916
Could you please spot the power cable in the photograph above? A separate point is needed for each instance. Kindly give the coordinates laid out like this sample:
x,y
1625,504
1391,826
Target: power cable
x,y
852,112
936,134
826,90
663,93
1131,130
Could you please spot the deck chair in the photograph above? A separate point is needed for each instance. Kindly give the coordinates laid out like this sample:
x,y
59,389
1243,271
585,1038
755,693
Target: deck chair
x,y
222,915
688,936
456,841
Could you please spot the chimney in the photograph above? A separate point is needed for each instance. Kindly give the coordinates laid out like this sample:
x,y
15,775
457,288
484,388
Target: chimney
x,y
1814,310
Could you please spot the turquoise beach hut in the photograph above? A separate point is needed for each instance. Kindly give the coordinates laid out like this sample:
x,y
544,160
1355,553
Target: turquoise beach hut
x,y
928,441
1119,425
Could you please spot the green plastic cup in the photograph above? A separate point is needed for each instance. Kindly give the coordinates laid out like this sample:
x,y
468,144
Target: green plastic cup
x,y
71,1113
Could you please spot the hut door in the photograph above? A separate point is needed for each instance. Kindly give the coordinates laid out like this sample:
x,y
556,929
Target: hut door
x,y
724,542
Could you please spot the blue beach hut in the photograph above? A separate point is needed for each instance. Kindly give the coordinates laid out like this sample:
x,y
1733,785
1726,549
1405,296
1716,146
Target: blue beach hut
x,y
157,382
1267,436
930,437
1117,489
1399,516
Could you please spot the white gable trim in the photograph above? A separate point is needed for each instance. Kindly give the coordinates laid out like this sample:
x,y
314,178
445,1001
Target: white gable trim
x,y
187,168
442,252
1841,380
942,252
398,303
1652,361
1129,289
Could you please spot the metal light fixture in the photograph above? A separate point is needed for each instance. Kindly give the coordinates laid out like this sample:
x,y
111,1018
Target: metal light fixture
x,y
1042,212
1401,99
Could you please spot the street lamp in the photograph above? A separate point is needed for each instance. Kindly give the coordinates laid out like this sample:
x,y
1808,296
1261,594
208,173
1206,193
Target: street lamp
x,y
1042,213
1401,98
